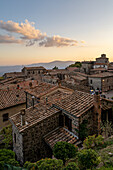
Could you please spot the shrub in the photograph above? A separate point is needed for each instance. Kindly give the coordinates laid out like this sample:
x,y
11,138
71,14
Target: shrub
x,y
92,141
8,157
64,151
88,158
30,165
51,164
6,132
89,142
71,166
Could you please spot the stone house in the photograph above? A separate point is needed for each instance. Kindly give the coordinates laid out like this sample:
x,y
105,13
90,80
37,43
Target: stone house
x,y
55,117
33,71
86,66
102,81
101,62
12,100
13,75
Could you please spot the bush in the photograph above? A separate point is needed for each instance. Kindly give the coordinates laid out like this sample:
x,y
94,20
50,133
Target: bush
x,y
92,141
7,157
64,151
6,132
51,164
87,159
30,165
71,166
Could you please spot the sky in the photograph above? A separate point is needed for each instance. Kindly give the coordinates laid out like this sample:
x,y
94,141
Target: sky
x,y
33,31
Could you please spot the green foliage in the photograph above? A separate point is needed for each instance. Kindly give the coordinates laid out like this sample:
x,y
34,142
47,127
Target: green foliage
x,y
64,151
55,68
92,141
71,166
83,131
6,132
8,157
76,64
88,158
44,164
51,164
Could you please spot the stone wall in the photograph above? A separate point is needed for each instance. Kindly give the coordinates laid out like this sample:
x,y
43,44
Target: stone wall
x,y
107,83
17,143
34,146
11,111
95,82
76,86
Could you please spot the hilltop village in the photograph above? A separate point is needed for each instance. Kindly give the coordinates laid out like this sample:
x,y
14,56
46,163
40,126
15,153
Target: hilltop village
x,y
46,106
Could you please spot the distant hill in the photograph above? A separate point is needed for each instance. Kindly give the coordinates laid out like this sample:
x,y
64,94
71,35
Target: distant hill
x,y
50,65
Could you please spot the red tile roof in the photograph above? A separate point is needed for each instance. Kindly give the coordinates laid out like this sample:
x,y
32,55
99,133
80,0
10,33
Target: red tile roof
x,y
76,104
60,134
102,75
10,98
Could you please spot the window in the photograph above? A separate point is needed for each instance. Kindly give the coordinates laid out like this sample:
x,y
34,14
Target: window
x,y
14,137
68,123
91,81
5,117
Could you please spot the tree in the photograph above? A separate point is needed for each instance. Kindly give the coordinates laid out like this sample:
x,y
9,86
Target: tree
x,y
64,151
6,133
71,166
87,159
55,68
76,64
7,157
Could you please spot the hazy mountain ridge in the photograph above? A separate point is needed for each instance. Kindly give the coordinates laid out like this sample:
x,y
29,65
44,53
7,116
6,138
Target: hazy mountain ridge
x,y
50,65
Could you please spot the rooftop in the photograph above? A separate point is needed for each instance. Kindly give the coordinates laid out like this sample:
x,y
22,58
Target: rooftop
x,y
60,134
34,68
10,98
102,75
76,104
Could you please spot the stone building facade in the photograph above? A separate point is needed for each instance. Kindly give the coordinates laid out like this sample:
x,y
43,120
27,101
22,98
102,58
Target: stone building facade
x,y
33,71
56,119
102,81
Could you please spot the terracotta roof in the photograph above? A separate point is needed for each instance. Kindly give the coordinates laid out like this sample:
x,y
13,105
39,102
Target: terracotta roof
x,y
34,68
41,89
10,98
22,84
98,69
33,116
59,134
100,64
72,68
80,78
43,108
76,104
102,75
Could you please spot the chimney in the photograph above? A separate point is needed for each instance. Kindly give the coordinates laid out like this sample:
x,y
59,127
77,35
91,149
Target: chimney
x,y
33,100
97,111
22,113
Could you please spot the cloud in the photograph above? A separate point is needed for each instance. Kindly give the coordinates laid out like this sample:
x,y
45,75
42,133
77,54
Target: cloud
x,y
30,35
83,42
26,29
9,39
57,41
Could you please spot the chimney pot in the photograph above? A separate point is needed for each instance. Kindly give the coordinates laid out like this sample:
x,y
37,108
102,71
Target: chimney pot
x,y
22,113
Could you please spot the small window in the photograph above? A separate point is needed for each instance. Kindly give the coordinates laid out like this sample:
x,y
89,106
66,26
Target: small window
x,y
5,117
91,81
15,137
